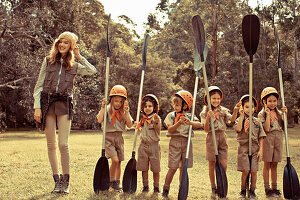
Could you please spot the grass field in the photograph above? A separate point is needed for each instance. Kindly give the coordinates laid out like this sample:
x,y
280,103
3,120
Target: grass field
x,y
25,171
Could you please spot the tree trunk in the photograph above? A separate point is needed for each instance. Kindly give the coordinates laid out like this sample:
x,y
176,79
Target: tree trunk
x,y
295,47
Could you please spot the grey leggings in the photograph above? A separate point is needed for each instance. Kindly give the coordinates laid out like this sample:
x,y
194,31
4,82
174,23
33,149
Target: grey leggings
x,y
64,126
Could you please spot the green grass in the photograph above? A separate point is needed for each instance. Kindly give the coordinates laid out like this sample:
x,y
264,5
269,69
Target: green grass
x,y
25,171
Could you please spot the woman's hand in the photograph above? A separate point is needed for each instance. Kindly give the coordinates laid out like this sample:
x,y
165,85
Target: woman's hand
x,y
38,115
76,53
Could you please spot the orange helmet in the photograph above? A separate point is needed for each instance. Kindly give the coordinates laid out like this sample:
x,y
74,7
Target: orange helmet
x,y
186,96
245,97
152,96
210,89
118,90
267,91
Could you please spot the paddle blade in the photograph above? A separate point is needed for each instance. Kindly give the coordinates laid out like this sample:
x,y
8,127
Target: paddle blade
x,y
145,51
199,33
101,175
278,46
291,188
184,184
108,52
197,58
222,183
250,32
129,182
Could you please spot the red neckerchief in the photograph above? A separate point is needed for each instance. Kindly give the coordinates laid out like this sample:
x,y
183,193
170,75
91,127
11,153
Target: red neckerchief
x,y
178,115
246,125
273,116
216,115
115,115
142,121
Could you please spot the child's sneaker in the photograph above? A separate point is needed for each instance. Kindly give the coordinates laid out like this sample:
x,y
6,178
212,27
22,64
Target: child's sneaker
x,y
269,192
252,195
276,192
243,194
165,193
214,192
156,190
146,189
115,185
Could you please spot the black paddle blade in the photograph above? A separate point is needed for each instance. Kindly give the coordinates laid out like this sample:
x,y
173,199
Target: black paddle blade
x,y
291,188
129,182
250,32
199,35
108,52
222,183
184,184
145,51
101,175
278,46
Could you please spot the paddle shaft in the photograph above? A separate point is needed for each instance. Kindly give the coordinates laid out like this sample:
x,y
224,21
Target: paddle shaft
x,y
193,113
139,109
284,114
209,108
105,107
250,110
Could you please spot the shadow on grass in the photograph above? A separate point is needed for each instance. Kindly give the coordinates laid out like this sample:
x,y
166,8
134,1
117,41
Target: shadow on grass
x,y
105,195
48,195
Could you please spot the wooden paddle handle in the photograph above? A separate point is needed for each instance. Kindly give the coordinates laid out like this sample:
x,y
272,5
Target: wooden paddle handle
x,y
250,109
105,107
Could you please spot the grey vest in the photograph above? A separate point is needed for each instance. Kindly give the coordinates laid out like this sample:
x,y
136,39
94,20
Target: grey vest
x,y
66,78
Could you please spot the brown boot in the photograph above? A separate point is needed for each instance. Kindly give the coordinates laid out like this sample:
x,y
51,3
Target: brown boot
x,y
115,185
57,183
65,184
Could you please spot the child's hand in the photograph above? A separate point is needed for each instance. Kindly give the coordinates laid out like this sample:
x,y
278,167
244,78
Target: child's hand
x,y
126,106
104,102
156,119
241,111
267,110
209,114
259,155
237,107
284,109
186,121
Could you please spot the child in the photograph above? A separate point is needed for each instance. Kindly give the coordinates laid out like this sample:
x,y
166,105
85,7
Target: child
x,y
117,120
178,123
272,120
242,129
222,118
149,149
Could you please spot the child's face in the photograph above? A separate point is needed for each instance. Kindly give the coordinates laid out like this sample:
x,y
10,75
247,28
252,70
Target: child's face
x,y
246,108
64,46
215,100
148,108
177,105
272,102
117,102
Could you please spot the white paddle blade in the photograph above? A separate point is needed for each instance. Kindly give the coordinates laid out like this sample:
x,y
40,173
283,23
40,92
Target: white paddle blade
x,y
197,58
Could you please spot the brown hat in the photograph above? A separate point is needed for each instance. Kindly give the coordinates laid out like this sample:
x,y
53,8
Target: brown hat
x,y
69,36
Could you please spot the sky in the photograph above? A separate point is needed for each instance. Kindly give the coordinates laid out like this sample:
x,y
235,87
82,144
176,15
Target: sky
x,y
138,10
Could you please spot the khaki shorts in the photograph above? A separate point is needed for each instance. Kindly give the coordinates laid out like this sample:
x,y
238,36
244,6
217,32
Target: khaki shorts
x,y
177,152
149,153
221,146
243,158
272,151
114,145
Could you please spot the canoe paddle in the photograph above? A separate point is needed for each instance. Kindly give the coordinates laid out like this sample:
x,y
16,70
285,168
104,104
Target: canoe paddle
x,y
101,174
129,183
222,184
250,33
184,184
291,188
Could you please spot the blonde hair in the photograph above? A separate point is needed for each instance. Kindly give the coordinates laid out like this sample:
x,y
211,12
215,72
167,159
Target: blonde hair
x,y
55,55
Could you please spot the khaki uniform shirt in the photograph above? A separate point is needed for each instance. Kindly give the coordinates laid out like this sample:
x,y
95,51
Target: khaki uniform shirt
x,y
148,134
220,124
